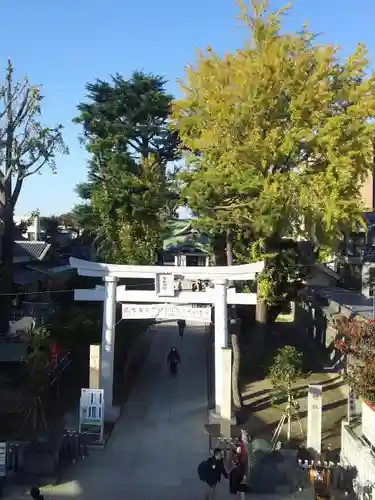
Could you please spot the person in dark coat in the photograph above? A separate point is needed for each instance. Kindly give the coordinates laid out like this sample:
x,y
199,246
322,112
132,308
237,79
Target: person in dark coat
x,y
173,359
181,323
173,356
35,494
210,472
237,472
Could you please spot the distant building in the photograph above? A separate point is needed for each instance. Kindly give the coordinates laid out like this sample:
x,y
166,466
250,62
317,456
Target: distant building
x,y
368,192
184,245
35,231
356,262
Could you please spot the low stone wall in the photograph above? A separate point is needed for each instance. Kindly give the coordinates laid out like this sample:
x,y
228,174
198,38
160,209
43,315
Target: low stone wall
x,y
314,320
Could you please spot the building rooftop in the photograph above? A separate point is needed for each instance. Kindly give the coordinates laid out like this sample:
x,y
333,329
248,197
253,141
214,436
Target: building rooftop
x,y
24,277
354,303
182,237
177,226
34,250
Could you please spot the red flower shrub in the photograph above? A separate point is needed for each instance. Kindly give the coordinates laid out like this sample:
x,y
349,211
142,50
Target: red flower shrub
x,y
356,339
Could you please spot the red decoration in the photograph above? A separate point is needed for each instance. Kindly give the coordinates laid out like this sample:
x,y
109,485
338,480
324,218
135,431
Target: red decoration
x,y
55,351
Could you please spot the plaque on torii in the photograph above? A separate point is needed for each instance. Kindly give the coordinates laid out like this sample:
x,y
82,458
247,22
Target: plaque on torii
x,y
165,285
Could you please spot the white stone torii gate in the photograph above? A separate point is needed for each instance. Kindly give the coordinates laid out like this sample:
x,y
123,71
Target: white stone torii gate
x,y
220,296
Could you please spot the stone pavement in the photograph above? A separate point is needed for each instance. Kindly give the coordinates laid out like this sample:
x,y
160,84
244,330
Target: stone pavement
x,y
159,440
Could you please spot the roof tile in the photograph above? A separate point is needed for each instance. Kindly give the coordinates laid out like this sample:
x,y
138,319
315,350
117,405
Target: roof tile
x,y
35,250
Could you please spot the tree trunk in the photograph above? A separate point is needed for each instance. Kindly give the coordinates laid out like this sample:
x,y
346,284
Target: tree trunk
x,y
7,251
261,309
229,247
289,429
289,415
261,313
236,352
236,392
7,208
219,250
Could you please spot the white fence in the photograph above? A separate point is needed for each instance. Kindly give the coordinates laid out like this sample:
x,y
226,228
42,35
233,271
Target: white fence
x,y
357,455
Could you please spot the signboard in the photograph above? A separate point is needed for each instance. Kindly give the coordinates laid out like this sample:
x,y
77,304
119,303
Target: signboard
x,y
166,311
314,417
368,422
165,285
91,414
3,459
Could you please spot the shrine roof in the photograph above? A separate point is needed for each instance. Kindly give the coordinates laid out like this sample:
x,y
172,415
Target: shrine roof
x,y
182,236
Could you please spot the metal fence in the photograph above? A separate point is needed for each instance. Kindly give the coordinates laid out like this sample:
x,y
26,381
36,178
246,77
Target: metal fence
x,y
71,448
358,456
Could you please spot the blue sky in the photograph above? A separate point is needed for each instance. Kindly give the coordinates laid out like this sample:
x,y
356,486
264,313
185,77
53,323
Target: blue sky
x,y
63,45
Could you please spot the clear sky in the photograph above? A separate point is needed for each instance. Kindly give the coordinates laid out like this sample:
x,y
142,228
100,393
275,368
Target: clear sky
x,y
64,44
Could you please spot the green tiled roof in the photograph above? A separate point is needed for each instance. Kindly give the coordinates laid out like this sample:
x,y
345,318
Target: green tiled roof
x,y
180,234
177,225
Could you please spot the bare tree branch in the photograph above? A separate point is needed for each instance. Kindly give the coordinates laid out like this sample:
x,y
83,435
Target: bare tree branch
x,y
26,146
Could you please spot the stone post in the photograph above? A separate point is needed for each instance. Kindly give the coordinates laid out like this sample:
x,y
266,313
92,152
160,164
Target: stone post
x,y
226,392
94,366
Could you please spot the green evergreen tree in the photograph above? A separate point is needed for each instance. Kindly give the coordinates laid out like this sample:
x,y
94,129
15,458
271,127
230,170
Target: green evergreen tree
x,y
129,193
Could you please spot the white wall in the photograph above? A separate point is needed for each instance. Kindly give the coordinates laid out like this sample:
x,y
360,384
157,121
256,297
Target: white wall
x,y
33,229
356,454
366,278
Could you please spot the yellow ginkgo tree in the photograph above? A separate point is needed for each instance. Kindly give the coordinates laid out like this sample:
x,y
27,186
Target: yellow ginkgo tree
x,y
279,134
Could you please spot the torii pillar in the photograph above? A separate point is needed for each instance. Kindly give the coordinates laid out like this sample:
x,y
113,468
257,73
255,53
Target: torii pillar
x,y
221,339
108,345
223,361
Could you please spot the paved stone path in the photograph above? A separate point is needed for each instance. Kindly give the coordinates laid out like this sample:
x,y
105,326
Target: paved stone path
x,y
159,440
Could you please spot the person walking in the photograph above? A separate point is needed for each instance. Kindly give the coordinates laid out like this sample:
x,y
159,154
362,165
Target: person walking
x,y
181,323
35,494
210,472
173,359
237,472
